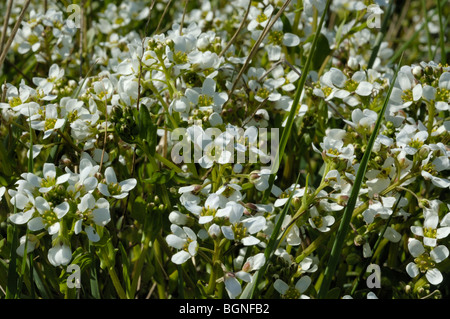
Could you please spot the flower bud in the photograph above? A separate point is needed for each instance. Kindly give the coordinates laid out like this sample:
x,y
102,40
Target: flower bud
x,y
178,218
353,63
417,71
214,231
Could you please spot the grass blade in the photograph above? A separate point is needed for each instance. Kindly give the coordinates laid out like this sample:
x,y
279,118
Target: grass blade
x,y
441,34
294,109
346,218
270,249
11,288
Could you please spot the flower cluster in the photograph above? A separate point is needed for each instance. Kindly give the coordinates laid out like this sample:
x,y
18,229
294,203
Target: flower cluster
x,y
90,152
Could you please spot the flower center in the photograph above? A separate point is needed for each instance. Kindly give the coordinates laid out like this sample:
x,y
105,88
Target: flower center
x,y
15,101
240,231
318,221
429,232
49,218
351,85
416,143
442,95
276,37
49,124
263,93
424,262
180,57
114,189
407,96
205,100
333,151
261,18
291,293
430,168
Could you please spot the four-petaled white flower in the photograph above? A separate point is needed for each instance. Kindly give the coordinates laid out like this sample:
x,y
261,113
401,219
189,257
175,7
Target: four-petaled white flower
x,y
185,240
113,188
425,262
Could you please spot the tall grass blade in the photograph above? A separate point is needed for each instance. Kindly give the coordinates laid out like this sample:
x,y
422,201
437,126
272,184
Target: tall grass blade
x,y
270,249
348,211
294,108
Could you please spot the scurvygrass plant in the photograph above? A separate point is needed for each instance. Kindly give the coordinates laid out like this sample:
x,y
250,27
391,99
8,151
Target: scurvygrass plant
x,y
224,149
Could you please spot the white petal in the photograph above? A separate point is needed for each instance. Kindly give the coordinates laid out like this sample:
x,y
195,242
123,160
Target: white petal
x,y
22,218
92,234
232,286
245,276
250,241
434,276
442,232
128,184
49,170
180,257
280,286
78,226
192,248
439,253
415,247
36,224
412,269
417,230
175,241
303,284
101,216
110,175
205,219
254,224
54,229
103,189
364,88
61,210
227,232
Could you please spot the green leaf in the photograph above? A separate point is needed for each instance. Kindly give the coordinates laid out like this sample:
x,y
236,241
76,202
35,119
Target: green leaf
x,y
334,293
321,52
147,131
11,288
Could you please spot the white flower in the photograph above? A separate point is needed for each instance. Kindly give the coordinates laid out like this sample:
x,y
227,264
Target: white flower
x,y
275,39
318,222
409,140
430,231
50,123
31,243
333,145
232,284
185,240
114,189
293,237
430,170
258,19
241,229
206,97
425,262
92,212
59,255
49,217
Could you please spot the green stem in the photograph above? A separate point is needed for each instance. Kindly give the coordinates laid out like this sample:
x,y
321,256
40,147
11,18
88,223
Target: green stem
x,y
116,282
138,267
215,268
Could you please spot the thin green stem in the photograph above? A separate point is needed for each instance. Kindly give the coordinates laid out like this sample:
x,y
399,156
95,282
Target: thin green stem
x,y
441,34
